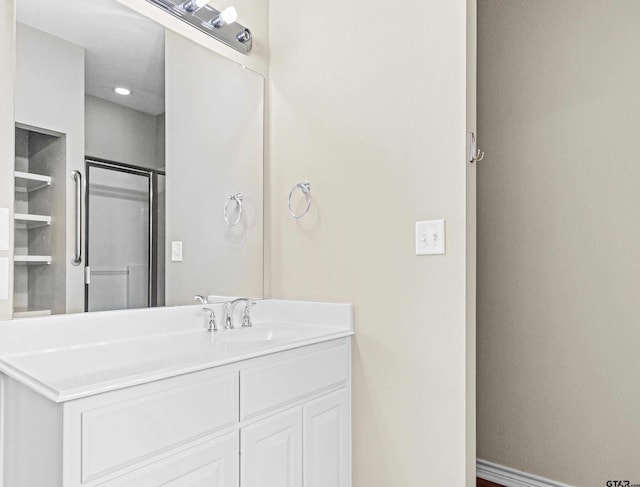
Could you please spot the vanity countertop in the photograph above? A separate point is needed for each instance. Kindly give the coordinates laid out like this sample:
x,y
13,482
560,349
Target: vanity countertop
x,y
71,356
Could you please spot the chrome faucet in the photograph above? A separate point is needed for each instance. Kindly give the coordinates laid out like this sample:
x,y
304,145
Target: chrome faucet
x,y
213,326
230,306
201,299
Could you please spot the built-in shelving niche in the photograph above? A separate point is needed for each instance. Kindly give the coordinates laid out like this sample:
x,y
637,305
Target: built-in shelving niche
x,y
39,216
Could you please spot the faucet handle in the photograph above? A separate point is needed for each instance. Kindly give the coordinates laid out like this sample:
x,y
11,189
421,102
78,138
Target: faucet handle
x,y
246,315
228,325
213,326
201,299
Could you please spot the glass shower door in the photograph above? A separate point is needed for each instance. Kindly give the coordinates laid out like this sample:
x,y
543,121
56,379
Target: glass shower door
x,y
118,243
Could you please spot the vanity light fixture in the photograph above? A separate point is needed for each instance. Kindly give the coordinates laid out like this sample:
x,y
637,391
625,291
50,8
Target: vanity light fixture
x,y
219,24
228,16
121,90
244,36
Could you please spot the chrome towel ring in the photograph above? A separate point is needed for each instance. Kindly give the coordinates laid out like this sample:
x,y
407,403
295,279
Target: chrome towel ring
x,y
306,190
237,198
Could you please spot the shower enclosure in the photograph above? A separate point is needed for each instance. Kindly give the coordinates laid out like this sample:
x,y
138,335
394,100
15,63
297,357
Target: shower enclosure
x,y
125,236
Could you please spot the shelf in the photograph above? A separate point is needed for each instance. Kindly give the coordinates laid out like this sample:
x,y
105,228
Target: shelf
x,y
30,313
26,182
32,259
28,221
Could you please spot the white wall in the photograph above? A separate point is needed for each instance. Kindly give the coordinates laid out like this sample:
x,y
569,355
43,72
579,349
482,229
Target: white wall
x,y
215,120
372,111
121,134
7,133
50,94
559,238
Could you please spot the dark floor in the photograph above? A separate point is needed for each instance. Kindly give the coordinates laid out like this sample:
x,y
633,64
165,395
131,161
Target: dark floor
x,y
486,483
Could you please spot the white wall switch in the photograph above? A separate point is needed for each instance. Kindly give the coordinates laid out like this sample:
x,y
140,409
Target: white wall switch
x,y
430,237
176,251
4,228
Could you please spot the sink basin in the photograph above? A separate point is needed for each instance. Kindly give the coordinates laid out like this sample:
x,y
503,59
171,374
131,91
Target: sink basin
x,y
245,339
100,361
248,335
258,334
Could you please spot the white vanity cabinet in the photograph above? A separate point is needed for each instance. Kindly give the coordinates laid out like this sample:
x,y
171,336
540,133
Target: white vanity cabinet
x,y
278,420
309,443
308,446
213,463
173,432
271,451
326,437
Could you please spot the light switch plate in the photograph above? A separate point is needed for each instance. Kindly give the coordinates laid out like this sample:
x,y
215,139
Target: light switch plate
x,y
430,237
176,251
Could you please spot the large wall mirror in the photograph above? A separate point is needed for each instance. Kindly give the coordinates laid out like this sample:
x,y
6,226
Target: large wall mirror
x,y
164,139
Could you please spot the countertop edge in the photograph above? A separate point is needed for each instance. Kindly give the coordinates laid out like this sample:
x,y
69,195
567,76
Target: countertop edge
x,y
78,393
28,381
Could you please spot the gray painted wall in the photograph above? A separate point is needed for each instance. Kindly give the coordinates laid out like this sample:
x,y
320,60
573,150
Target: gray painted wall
x,y
215,118
559,238
50,94
121,134
160,141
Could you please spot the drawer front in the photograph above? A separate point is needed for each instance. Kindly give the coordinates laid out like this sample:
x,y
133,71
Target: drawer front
x,y
213,463
275,384
120,434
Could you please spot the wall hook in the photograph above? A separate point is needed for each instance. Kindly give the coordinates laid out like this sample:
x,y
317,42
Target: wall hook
x,y
475,154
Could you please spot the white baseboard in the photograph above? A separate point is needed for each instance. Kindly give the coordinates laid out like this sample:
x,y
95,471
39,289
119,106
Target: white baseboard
x,y
510,477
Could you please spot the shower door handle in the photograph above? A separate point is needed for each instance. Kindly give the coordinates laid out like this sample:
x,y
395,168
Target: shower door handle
x,y
77,177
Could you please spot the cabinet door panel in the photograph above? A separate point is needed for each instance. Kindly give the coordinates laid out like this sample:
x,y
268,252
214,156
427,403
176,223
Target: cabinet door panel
x,y
327,441
210,476
117,435
272,451
213,463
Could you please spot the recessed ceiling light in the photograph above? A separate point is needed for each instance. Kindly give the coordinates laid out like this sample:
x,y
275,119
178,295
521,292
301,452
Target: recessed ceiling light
x,y
121,90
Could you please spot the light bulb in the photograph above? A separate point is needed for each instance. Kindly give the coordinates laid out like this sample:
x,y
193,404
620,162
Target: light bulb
x,y
194,5
121,90
228,16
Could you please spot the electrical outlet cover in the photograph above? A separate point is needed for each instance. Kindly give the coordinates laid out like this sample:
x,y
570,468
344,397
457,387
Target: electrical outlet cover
x,y
176,251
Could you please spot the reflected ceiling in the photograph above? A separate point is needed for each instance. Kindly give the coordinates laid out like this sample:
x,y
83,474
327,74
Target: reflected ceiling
x,y
122,47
